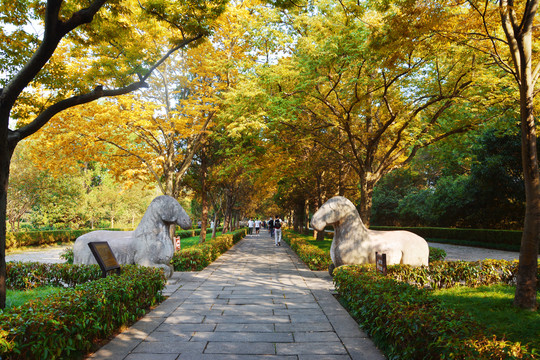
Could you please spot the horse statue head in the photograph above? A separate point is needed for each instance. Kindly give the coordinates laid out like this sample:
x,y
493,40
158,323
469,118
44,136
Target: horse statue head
x,y
162,212
335,211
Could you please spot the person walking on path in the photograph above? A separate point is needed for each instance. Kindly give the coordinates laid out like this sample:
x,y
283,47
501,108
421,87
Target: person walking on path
x,y
250,226
257,226
277,230
271,227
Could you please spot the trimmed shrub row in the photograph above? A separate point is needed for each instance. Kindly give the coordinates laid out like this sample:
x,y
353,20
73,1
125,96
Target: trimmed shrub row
x,y
37,238
69,323
407,323
445,274
486,238
49,237
496,239
196,258
29,275
314,257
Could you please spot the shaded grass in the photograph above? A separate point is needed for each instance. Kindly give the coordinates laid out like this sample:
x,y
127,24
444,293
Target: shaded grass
x,y
18,297
492,307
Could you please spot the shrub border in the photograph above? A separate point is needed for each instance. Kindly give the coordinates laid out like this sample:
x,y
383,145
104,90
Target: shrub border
x,y
71,322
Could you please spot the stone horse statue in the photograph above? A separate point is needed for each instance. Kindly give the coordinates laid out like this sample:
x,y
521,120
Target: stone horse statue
x,y
149,245
353,243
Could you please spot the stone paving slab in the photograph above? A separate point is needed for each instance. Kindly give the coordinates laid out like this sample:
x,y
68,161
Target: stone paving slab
x,y
257,301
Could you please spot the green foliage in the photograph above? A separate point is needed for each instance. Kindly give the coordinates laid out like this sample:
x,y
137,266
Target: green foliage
x,y
67,324
444,274
29,275
406,322
37,238
45,237
491,239
68,255
198,257
314,257
436,254
479,185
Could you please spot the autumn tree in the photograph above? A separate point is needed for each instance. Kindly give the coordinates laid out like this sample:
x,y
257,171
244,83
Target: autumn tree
x,y
504,30
369,93
110,56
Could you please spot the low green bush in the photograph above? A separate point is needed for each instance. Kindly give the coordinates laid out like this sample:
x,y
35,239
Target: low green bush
x,y
496,239
436,254
51,237
445,274
196,258
69,323
406,322
45,237
314,257
28,275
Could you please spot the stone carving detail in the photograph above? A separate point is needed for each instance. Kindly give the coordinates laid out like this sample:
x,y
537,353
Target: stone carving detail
x,y
149,245
353,243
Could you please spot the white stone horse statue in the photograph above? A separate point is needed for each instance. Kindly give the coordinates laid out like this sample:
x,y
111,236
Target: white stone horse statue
x,y
149,245
353,243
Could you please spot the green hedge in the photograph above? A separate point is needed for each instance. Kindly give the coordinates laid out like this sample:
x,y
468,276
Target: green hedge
x,y
314,257
406,322
37,238
496,239
486,238
445,274
196,258
69,323
50,237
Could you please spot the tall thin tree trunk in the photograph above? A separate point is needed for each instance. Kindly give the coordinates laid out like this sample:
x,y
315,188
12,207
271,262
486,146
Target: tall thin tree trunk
x,y
525,296
366,200
204,197
6,151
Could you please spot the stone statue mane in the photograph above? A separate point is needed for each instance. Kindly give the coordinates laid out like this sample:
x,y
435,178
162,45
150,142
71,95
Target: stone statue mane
x,y
149,245
353,243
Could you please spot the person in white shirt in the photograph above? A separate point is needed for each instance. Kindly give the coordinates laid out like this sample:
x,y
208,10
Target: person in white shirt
x,y
250,226
257,226
277,230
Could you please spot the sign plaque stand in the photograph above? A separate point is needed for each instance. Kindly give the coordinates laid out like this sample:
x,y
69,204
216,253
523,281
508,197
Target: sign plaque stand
x,y
380,260
104,257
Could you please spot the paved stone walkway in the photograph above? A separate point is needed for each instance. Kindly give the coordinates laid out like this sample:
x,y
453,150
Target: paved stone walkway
x,y
257,301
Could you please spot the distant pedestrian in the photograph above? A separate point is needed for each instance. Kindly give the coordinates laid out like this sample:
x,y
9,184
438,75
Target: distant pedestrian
x,y
251,223
271,227
257,226
277,230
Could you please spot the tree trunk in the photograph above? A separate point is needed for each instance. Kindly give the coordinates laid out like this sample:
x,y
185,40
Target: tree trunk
x,y
6,151
366,200
214,229
204,198
525,296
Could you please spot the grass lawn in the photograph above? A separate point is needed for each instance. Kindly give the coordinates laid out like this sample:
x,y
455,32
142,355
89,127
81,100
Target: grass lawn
x,y
323,244
492,306
194,240
19,297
